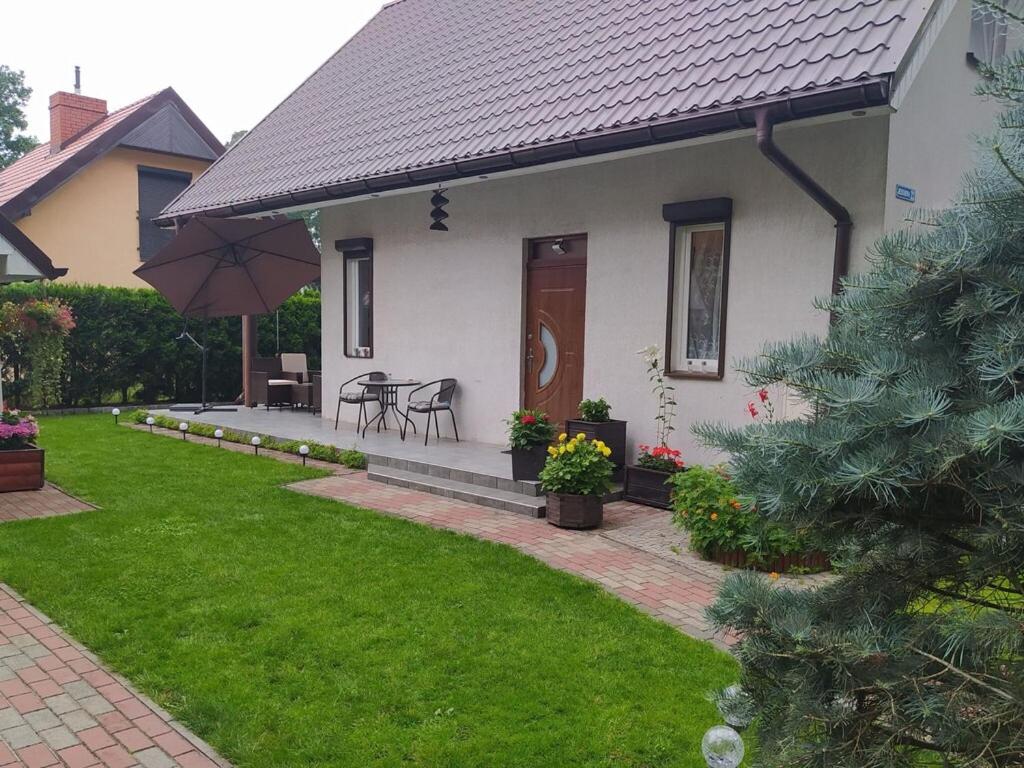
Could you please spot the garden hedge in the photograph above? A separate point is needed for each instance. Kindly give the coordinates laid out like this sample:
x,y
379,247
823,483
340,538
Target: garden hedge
x,y
125,349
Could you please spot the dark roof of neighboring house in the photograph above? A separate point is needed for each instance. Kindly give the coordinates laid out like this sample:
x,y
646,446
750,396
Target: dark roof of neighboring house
x,y
29,250
32,177
437,89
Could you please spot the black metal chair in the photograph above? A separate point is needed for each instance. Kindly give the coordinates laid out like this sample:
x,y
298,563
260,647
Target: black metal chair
x,y
439,401
361,398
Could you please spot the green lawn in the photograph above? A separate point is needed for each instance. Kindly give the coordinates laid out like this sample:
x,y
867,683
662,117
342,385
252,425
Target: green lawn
x,y
294,631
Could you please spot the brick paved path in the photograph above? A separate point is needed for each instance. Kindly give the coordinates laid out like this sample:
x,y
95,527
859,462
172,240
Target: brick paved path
x,y
60,707
48,502
673,592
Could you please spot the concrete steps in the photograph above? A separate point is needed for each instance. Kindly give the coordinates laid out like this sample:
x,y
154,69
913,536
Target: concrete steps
x,y
518,497
496,498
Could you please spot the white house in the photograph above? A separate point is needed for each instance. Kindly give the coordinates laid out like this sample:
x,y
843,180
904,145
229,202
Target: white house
x,y
687,173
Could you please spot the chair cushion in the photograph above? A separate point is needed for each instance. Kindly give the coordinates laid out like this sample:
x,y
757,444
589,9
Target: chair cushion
x,y
281,382
424,406
293,362
358,397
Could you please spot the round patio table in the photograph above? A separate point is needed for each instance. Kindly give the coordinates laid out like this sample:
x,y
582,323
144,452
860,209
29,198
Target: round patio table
x,y
389,401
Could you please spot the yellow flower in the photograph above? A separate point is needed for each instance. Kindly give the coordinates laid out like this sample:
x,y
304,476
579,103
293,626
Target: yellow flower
x,y
773,575
552,451
606,452
562,437
600,444
571,447
581,437
561,449
714,516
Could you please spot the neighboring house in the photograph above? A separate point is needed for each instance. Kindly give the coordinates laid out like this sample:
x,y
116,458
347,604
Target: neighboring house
x,y
683,172
21,260
87,196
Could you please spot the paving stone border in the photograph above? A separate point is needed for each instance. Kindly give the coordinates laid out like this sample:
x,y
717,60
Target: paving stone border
x,y
59,705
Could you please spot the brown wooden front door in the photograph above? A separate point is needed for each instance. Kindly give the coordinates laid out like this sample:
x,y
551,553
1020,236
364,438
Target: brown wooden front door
x,y
556,292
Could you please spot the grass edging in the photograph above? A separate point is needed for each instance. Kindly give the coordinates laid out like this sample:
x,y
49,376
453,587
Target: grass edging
x,y
347,457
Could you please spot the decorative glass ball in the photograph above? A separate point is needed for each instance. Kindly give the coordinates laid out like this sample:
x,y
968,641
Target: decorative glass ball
x,y
150,421
218,433
116,411
722,747
304,450
255,440
183,426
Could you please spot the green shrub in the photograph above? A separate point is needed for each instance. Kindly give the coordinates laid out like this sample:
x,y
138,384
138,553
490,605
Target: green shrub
x,y
595,410
705,504
125,345
349,457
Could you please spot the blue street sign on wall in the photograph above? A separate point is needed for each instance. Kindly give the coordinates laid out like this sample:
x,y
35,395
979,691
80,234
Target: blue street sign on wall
x,y
907,194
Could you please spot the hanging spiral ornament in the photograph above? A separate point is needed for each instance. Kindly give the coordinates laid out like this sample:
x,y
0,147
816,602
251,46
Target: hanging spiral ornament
x,y
439,214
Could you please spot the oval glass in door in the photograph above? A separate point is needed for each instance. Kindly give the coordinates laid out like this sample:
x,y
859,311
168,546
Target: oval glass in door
x,y
547,371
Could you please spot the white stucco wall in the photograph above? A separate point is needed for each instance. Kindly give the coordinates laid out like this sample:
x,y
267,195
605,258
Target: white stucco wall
x,y
449,304
932,137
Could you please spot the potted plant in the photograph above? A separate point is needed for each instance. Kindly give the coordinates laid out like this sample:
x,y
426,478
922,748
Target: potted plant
x,y
529,435
21,463
576,477
596,423
722,528
647,480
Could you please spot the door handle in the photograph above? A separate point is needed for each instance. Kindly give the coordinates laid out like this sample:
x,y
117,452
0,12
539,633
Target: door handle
x,y
529,360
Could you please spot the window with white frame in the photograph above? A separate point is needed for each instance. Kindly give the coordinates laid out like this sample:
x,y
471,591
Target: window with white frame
x,y
989,33
698,281
357,264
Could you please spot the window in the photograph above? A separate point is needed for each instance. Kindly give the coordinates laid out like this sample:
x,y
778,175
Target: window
x,y
157,188
358,265
698,286
989,31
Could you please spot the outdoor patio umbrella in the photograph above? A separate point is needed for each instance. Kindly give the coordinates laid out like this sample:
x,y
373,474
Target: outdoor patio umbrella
x,y
228,267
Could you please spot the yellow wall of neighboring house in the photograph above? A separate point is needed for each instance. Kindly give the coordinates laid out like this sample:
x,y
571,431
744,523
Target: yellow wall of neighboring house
x,y
90,224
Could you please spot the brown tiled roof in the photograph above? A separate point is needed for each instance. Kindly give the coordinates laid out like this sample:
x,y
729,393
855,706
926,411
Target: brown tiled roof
x,y
434,89
32,252
32,177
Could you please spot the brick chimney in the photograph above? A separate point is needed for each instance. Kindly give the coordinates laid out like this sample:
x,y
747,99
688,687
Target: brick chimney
x,y
70,114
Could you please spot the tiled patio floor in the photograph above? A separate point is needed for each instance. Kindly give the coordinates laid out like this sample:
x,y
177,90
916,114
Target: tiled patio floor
x,y
60,707
50,501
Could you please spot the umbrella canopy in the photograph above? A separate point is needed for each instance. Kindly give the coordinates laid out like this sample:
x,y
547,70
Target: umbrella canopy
x,y
226,267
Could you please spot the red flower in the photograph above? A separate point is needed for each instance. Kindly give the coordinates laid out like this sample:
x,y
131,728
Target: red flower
x,y
752,410
528,418
763,394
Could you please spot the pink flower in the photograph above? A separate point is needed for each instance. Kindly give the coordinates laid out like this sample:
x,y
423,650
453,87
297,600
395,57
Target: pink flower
x,y
752,410
763,394
528,418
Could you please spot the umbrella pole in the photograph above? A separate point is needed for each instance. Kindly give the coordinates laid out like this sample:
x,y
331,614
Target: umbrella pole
x,y
203,402
204,405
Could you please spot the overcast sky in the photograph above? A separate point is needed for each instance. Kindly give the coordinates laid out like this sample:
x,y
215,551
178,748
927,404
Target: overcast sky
x,y
231,62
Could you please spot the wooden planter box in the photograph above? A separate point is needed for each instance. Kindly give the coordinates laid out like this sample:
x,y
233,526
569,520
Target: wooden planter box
x,y
578,512
528,462
648,486
612,433
21,470
811,561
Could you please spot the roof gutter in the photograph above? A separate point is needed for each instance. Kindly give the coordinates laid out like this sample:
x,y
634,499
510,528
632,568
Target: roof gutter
x,y
765,121
860,95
